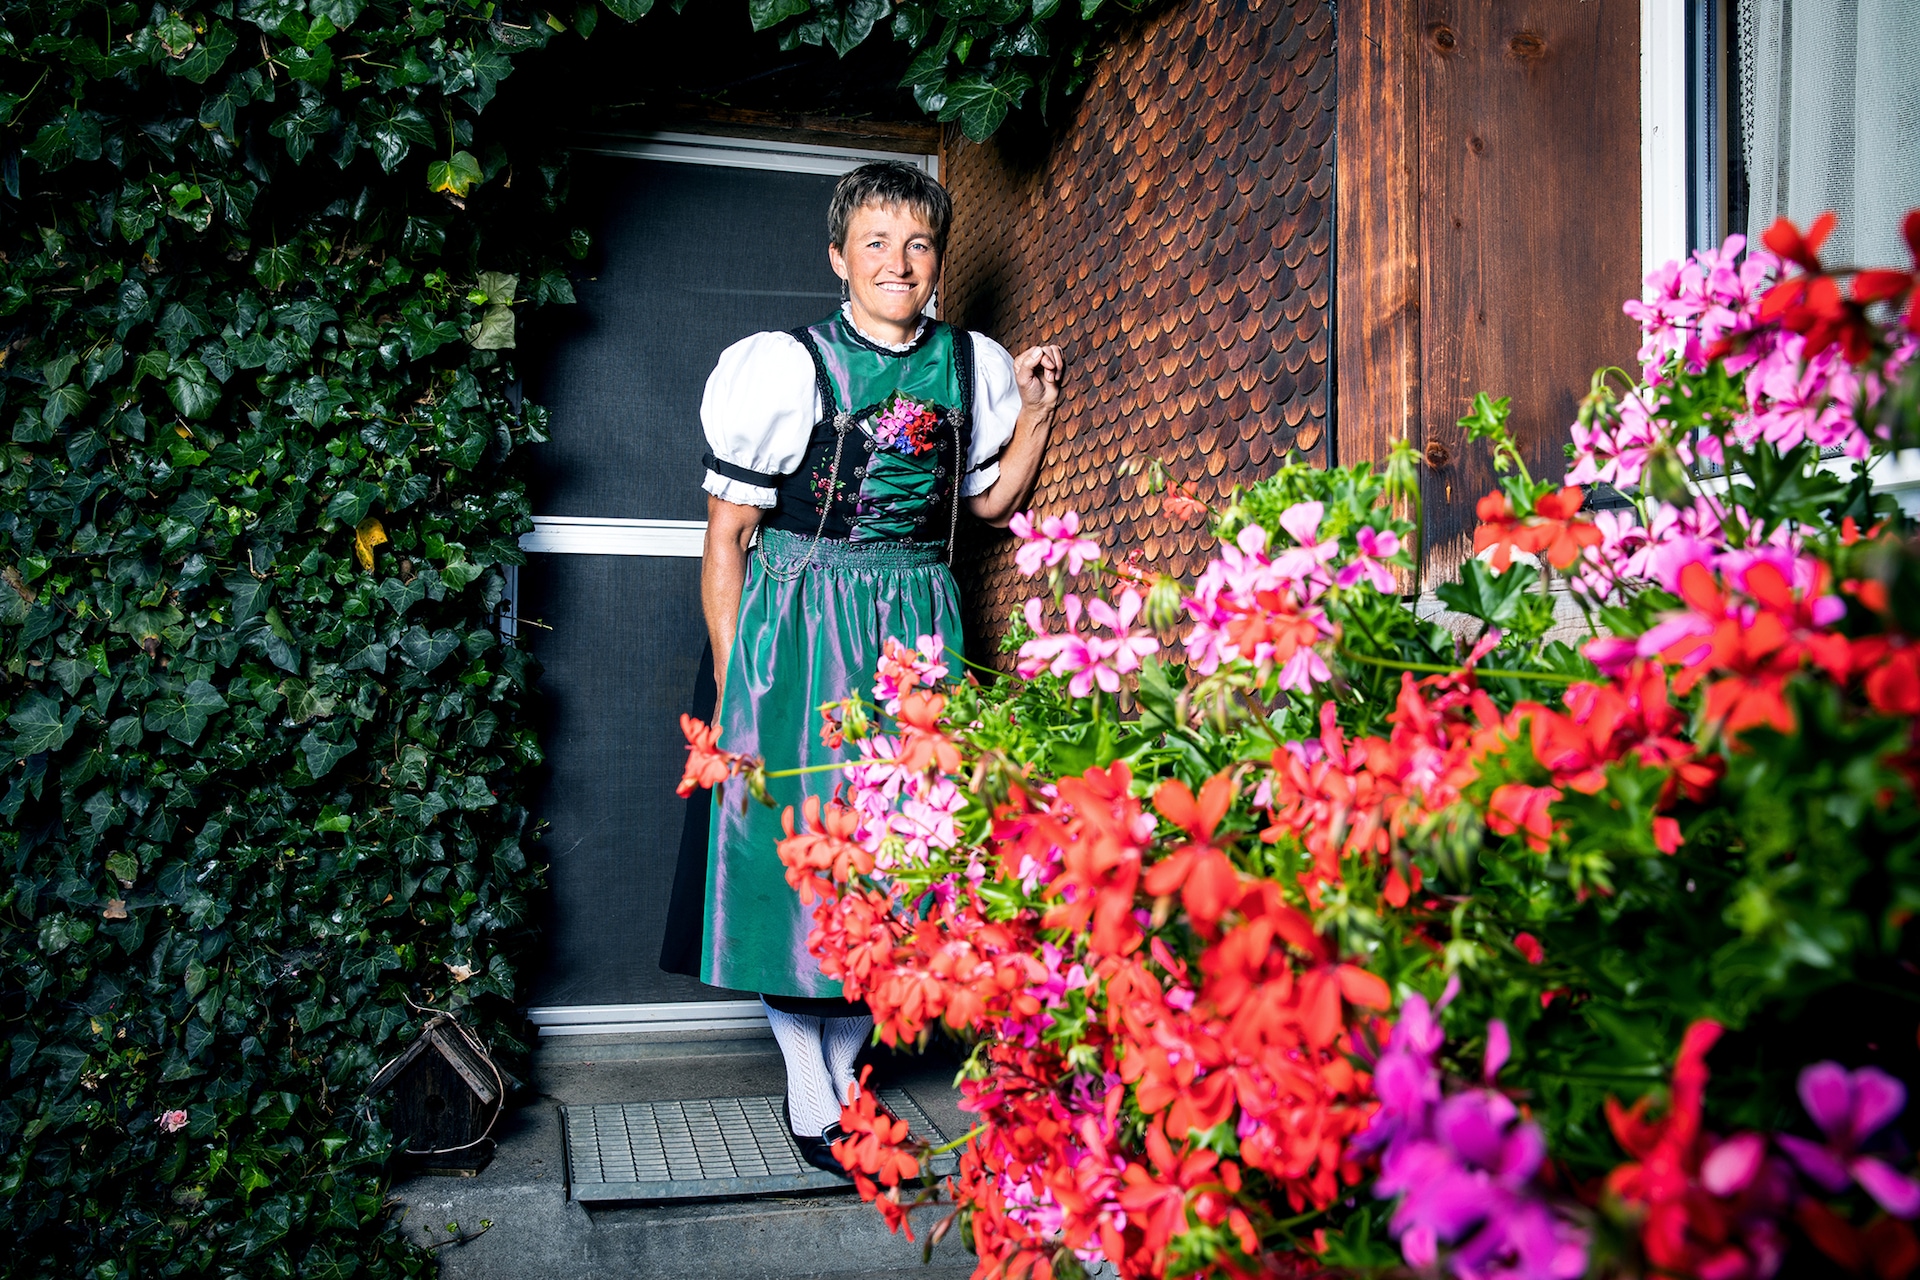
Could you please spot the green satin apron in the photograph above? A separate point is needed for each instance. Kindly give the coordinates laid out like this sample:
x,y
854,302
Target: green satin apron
x,y
814,615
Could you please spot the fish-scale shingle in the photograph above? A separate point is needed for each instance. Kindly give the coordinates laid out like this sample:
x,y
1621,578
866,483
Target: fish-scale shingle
x,y
1176,241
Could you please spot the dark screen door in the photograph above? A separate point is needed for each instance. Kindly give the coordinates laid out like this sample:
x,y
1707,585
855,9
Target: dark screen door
x,y
697,243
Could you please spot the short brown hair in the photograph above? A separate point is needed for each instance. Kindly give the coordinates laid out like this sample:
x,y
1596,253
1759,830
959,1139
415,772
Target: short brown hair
x,y
886,183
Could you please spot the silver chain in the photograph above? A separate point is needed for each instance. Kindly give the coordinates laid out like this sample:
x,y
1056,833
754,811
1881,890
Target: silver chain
x,y
842,423
959,471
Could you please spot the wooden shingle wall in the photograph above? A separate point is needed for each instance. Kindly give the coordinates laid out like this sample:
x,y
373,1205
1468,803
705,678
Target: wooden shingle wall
x,y
1175,238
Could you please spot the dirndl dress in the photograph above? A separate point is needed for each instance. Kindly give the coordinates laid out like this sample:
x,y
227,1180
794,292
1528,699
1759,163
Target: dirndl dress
x,y
855,551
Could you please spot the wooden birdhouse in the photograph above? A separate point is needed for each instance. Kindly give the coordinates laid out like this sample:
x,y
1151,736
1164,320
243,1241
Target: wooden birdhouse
x,y
447,1096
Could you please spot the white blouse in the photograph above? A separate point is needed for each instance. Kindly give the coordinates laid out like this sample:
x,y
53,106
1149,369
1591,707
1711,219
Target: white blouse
x,y
762,403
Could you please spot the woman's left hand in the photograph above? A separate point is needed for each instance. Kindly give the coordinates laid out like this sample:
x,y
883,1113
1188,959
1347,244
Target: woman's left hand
x,y
1036,371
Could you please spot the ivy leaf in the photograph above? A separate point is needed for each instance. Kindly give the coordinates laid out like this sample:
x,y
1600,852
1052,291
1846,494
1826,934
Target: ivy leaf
x,y
207,56
276,266
631,10
929,66
402,596
426,650
493,331
770,13
39,725
455,175
981,105
62,404
250,596
302,125
322,755
367,535
426,335
391,132
341,13
193,390
184,715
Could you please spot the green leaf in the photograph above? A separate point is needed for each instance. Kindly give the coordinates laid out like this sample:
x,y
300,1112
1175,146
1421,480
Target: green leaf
x,y
39,726
981,105
427,650
771,13
299,127
250,596
322,755
193,391
62,404
456,175
1480,594
207,56
184,715
628,11
276,266
392,130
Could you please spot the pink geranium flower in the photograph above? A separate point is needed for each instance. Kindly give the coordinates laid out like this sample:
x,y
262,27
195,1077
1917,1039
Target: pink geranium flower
x,y
1049,541
1376,546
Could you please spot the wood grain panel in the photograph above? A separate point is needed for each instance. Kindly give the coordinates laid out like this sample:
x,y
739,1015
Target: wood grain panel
x,y
1378,197
1530,199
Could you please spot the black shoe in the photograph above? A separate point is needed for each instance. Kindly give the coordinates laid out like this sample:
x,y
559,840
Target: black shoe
x,y
818,1152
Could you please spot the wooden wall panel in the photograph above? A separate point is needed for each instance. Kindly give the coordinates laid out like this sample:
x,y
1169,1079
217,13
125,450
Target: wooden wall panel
x,y
1378,199
1529,226
1176,238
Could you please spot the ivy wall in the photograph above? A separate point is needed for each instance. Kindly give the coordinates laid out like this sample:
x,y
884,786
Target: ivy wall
x,y
262,267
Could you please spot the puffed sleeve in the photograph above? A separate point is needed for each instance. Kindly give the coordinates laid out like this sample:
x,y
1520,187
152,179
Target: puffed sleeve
x,y
996,407
758,413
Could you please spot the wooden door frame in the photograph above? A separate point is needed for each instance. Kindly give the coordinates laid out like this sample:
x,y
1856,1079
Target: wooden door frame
x,y
1380,269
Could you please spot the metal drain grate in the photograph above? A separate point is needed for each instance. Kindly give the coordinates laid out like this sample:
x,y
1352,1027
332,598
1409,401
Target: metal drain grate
x,y
706,1148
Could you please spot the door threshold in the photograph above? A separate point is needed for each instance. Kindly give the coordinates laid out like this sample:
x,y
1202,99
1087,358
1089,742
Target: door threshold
x,y
744,1017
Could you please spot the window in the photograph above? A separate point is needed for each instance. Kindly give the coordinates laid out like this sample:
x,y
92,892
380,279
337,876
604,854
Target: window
x,y
1822,111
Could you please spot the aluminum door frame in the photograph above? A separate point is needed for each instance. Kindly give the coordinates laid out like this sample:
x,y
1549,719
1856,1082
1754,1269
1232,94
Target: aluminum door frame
x,y
589,535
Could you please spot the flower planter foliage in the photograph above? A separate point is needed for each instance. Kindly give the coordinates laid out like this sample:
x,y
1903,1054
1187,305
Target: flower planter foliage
x,y
1575,941
260,267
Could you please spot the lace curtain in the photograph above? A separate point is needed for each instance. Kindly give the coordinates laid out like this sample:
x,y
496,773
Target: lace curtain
x,y
1830,119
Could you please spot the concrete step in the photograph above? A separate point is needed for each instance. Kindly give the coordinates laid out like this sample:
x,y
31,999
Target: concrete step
x,y
537,1232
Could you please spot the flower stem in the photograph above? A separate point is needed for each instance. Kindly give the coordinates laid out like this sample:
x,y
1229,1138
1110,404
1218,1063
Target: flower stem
x,y
824,768
992,671
958,1142
1435,668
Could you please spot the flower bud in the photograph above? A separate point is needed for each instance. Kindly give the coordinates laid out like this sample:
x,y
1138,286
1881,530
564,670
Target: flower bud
x,y
1165,603
856,725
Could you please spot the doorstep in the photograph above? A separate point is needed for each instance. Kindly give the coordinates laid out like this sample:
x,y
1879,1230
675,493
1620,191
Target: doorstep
x,y
538,1231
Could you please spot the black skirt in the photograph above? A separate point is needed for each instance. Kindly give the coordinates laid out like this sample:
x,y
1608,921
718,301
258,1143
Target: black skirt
x,y
687,907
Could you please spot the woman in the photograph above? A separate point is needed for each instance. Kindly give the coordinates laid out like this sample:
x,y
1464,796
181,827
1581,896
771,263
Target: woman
x,y
840,456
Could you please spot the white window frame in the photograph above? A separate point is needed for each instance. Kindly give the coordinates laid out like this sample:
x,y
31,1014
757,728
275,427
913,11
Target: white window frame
x,y
607,536
1663,133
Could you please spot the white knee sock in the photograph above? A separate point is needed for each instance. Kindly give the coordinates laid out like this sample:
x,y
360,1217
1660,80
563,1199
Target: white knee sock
x,y
842,1039
810,1102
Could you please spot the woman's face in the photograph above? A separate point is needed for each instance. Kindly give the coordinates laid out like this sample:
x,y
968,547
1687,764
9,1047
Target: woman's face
x,y
889,264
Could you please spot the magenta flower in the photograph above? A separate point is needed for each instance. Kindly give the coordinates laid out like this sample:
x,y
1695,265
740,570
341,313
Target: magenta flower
x,y
1463,1165
1375,547
1851,1108
1050,540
